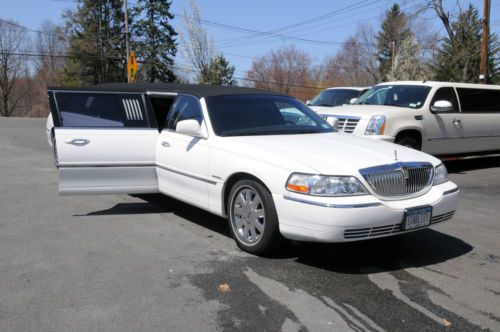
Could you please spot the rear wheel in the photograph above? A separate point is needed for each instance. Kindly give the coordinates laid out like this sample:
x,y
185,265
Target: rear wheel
x,y
253,219
408,141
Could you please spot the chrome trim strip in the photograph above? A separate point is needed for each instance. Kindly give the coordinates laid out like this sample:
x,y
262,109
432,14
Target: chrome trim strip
x,y
187,175
336,206
451,191
106,165
463,137
349,117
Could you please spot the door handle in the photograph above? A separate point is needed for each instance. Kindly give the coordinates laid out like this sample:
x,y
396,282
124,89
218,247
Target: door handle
x,y
165,144
456,122
76,141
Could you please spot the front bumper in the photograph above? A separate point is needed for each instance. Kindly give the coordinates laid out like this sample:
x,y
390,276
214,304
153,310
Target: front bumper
x,y
343,219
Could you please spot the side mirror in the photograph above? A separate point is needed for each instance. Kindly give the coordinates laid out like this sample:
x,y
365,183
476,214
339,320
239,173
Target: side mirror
x,y
190,127
352,101
308,102
442,106
333,121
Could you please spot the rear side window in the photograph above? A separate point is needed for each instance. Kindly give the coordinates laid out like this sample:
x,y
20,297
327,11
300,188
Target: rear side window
x,y
447,94
95,110
479,100
184,108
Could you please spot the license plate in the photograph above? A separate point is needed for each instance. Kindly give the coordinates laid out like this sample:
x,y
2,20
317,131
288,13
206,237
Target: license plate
x,y
416,218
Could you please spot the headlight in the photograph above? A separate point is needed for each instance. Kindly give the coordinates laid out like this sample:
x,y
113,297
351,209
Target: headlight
x,y
440,174
376,126
320,185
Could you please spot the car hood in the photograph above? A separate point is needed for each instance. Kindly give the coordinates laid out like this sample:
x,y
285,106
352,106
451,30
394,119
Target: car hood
x,y
328,153
364,111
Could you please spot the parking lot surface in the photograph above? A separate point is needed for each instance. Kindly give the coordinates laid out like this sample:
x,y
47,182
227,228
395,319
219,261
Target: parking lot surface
x,y
151,263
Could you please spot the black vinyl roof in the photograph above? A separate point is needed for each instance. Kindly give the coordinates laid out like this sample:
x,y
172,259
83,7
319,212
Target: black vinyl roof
x,y
197,90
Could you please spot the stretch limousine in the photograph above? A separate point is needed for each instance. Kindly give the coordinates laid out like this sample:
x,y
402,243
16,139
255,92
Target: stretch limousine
x,y
440,118
264,160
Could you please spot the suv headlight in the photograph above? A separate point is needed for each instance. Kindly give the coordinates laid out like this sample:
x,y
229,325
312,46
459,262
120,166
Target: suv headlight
x,y
321,185
440,174
376,126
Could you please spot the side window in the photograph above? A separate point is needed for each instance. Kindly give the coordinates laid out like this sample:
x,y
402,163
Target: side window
x,y
95,110
161,107
479,100
447,94
184,108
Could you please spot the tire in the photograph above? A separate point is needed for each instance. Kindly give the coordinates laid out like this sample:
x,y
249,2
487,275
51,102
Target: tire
x,y
253,220
409,142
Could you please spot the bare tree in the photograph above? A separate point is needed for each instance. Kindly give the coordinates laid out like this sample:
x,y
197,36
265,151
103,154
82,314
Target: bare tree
x,y
51,44
356,63
15,84
285,70
197,46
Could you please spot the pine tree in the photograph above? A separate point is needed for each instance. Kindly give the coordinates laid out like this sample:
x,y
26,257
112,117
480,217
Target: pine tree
x,y
218,72
395,28
96,43
459,57
154,39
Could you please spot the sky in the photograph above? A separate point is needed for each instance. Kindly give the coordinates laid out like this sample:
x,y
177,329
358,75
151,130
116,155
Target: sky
x,y
233,24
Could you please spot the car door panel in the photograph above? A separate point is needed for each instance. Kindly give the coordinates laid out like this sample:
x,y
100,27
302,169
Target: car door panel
x,y
443,131
103,147
182,160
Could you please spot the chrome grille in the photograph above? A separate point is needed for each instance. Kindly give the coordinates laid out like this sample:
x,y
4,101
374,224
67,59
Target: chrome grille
x,y
399,179
347,124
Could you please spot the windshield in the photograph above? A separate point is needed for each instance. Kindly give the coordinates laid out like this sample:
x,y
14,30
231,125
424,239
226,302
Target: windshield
x,y
334,97
244,115
412,96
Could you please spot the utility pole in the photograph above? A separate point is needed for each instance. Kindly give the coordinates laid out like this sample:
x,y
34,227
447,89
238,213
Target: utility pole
x,y
127,47
483,68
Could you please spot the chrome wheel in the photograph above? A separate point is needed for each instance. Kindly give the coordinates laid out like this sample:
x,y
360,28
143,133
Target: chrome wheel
x,y
247,215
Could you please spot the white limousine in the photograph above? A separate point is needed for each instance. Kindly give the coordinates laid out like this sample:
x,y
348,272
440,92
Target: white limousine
x,y
264,160
440,118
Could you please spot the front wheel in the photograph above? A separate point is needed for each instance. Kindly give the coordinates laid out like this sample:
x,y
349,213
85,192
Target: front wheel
x,y
253,219
408,141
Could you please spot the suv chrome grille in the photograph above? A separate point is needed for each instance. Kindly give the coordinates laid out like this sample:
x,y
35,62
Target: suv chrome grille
x,y
347,124
399,179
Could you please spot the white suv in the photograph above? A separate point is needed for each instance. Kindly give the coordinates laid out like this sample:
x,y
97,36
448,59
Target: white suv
x,y
440,118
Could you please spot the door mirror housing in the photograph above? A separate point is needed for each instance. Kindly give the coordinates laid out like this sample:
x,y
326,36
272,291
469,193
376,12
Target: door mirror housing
x,y
308,102
190,127
333,121
352,101
442,106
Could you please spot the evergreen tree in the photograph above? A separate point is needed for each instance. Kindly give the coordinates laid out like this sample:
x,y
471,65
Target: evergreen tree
x,y
154,39
459,57
395,28
96,43
218,72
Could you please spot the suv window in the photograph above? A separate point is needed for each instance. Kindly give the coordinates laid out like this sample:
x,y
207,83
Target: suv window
x,y
447,94
479,100
95,110
184,108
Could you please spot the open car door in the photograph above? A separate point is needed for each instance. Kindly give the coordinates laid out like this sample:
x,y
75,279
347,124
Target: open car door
x,y
104,142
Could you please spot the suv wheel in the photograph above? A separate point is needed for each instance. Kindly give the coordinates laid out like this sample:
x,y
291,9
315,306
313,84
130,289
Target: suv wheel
x,y
408,141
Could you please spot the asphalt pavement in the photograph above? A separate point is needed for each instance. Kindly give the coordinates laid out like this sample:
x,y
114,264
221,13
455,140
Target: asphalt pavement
x,y
151,263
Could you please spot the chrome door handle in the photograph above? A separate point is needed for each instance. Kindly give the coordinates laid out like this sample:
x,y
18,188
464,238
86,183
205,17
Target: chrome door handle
x,y
165,144
456,122
76,141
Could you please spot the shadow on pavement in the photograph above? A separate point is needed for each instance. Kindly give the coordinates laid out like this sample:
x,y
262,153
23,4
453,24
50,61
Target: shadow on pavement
x,y
418,249
460,166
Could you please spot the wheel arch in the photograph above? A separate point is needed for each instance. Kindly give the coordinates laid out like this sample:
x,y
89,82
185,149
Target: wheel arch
x,y
412,132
